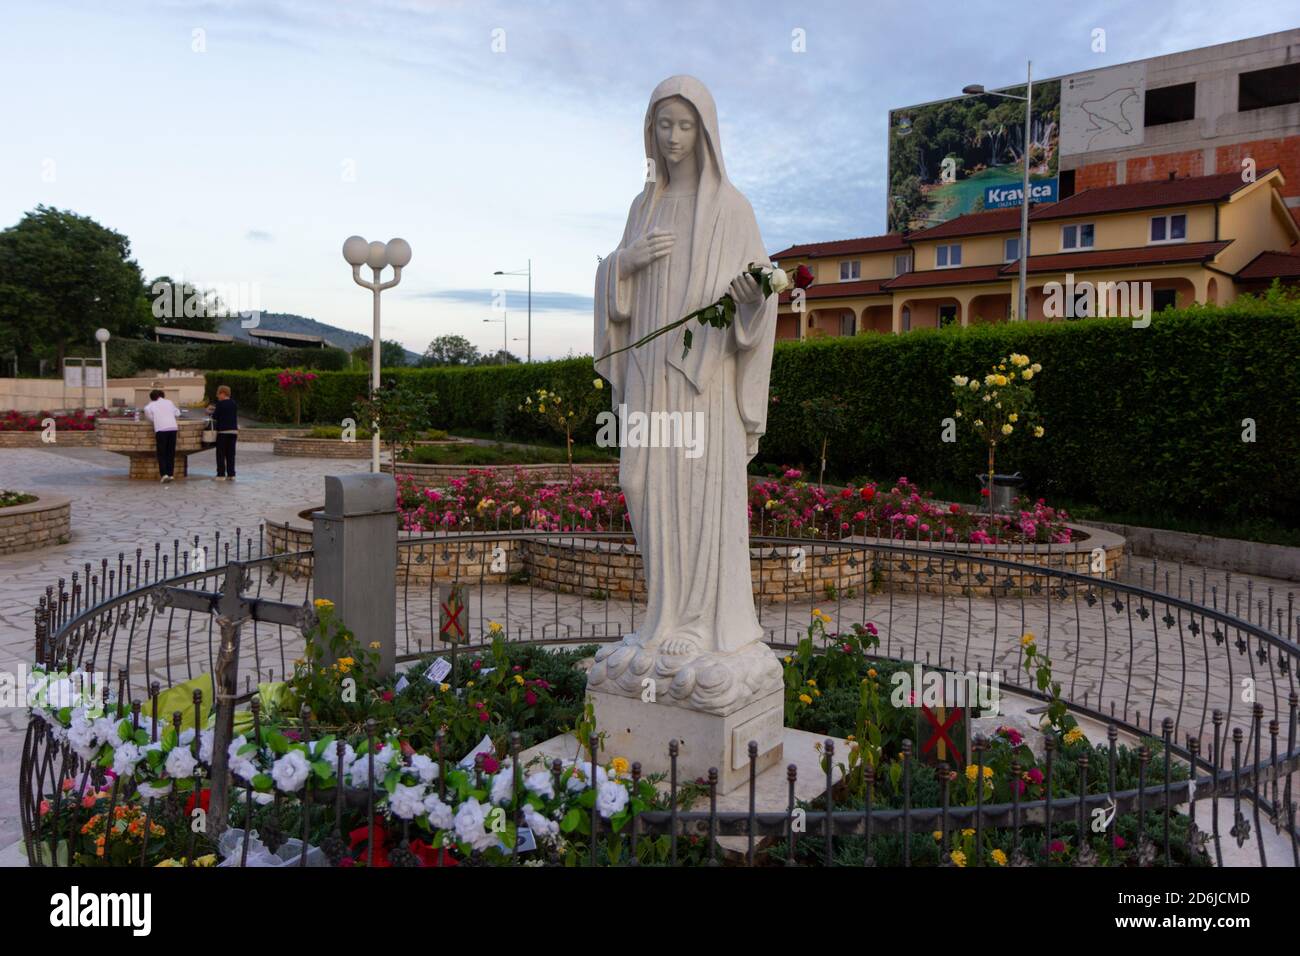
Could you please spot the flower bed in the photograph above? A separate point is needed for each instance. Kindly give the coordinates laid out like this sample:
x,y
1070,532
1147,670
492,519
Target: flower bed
x,y
78,421
487,500
397,744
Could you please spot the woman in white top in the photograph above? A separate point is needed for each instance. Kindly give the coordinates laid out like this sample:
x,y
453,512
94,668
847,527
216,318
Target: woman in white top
x,y
163,413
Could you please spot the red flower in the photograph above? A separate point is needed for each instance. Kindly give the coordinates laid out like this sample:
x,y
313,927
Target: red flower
x,y
530,698
387,695
803,277
204,796
984,492
954,508
868,492
490,764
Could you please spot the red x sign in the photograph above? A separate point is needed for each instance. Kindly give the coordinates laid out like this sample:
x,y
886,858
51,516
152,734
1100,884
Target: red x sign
x,y
452,607
940,736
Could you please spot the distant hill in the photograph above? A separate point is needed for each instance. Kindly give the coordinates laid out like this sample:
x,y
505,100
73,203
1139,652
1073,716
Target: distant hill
x,y
285,322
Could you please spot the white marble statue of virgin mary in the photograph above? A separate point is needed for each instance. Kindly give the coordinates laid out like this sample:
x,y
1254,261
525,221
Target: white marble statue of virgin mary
x,y
690,237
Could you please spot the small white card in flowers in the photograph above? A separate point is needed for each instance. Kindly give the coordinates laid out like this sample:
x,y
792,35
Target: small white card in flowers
x,y
439,669
402,684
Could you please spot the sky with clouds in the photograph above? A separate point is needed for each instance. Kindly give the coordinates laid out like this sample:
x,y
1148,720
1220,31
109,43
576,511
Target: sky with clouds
x,y
242,142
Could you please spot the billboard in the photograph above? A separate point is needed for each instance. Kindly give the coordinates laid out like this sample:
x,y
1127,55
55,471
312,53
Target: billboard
x,y
945,157
1103,109
1007,197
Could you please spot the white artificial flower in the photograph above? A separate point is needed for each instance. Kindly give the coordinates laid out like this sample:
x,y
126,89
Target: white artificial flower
x,y
540,783
242,767
290,771
205,746
503,785
440,815
960,380
611,798
148,790
581,771
261,799
543,829
425,767
780,281
180,763
469,822
125,757
406,803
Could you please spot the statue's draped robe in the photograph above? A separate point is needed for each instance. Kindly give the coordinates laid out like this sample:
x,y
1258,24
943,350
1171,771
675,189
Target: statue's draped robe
x,y
690,515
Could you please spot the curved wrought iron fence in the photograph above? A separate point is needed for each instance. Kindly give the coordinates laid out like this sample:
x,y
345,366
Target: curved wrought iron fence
x,y
1218,688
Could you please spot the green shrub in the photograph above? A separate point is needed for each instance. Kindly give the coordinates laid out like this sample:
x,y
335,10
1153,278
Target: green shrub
x,y
1136,419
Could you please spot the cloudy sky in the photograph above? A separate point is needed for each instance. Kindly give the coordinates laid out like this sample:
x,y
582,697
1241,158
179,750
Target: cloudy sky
x,y
239,141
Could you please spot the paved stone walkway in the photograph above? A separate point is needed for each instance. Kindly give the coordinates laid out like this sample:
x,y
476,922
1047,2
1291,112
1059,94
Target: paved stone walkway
x,y
1145,671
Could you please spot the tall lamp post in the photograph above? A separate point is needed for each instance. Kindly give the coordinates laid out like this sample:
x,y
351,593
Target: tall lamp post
x,y
396,253
505,337
976,89
525,272
102,337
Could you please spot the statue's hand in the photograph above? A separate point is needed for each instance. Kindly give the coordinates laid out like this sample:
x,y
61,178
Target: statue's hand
x,y
745,289
653,245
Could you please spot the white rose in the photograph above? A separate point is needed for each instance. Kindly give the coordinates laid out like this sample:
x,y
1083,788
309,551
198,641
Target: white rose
x,y
780,281
503,785
180,763
406,803
469,822
426,767
581,771
125,757
543,829
290,771
611,798
540,783
148,790
440,815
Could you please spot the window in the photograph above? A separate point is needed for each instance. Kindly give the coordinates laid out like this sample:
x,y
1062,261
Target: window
x,y
1077,236
850,270
947,315
907,319
1276,86
1162,299
1170,104
945,257
848,323
1011,249
1065,184
1172,228
902,263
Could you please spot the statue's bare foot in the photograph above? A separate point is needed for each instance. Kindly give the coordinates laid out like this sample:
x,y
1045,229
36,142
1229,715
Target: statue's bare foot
x,y
679,647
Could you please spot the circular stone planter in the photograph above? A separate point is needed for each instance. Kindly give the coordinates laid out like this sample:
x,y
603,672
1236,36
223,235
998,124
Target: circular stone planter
x,y
62,439
38,524
598,567
321,448
135,440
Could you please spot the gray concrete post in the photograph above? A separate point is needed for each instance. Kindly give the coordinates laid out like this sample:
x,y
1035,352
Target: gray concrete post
x,y
355,540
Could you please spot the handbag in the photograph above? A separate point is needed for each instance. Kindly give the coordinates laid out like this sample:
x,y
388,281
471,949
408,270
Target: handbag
x,y
209,436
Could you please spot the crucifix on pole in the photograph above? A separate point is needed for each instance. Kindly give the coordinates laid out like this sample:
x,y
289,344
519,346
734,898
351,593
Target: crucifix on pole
x,y
232,610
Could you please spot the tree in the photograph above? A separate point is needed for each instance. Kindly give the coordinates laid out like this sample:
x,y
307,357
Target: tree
x,y
391,354
182,305
400,409
62,276
450,350
499,357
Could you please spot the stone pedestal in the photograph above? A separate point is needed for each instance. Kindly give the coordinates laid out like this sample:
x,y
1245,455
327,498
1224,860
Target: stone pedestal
x,y
135,440
640,730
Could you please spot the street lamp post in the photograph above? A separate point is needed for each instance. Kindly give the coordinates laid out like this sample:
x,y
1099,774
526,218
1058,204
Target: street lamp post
x,y
396,253
505,336
976,90
525,272
102,336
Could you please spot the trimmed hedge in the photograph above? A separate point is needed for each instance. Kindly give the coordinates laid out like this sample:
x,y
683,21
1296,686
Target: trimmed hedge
x,y
127,357
1136,419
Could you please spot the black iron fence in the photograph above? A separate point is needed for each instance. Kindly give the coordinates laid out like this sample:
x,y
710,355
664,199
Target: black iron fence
x,y
1144,656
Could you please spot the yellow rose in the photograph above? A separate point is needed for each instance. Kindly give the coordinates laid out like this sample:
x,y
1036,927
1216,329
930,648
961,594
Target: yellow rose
x,y
1038,431
1027,639
598,383
323,602
805,698
999,857
958,858
619,764
1013,417
1007,429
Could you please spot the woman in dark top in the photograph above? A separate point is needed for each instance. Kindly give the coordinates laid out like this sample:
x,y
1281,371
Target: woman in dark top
x,y
225,421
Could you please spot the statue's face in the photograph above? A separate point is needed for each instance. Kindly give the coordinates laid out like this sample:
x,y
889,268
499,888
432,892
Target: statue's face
x,y
676,129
